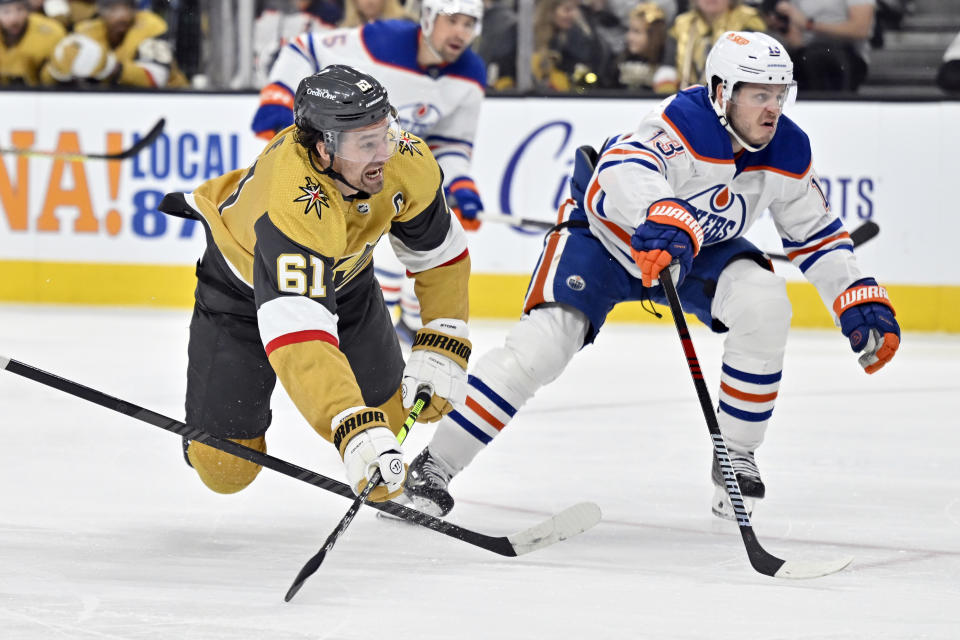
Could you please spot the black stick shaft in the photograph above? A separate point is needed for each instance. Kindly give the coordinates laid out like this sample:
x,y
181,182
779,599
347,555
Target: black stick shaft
x,y
497,544
761,560
420,403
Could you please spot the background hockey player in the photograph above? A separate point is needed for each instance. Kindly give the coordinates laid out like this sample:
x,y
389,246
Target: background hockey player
x,y
683,187
27,41
123,46
286,287
435,80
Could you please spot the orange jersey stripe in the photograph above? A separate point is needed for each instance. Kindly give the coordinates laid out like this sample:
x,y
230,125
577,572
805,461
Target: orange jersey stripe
x,y
800,252
749,397
474,406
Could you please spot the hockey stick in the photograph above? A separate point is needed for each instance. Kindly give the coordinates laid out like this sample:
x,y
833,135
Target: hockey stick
x,y
133,150
761,560
502,218
864,233
421,402
566,524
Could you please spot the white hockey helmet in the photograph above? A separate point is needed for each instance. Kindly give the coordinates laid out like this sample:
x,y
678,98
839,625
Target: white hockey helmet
x,y
747,56
430,9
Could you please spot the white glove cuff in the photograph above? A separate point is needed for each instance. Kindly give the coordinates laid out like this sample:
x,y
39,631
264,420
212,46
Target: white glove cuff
x,y
450,326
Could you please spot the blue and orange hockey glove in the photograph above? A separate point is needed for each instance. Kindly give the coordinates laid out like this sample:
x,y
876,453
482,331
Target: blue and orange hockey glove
x,y
465,202
671,231
867,320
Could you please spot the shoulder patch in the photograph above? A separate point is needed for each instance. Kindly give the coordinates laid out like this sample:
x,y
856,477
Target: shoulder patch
x,y
408,144
314,197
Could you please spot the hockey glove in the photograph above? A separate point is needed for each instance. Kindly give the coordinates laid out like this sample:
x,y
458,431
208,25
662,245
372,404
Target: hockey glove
x,y
366,443
670,231
867,320
80,57
466,203
438,359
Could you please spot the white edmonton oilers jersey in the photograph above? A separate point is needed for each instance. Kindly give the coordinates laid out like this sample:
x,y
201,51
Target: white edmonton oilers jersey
x,y
681,150
439,104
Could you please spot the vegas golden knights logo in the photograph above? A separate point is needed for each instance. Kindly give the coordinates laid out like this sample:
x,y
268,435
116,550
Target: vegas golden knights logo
x,y
313,196
408,144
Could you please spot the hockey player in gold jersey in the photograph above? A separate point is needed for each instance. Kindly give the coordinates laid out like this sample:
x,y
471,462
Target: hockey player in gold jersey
x,y
286,287
123,46
27,41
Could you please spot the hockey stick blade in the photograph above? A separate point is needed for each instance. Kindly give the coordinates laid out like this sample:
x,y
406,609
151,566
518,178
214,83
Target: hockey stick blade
x,y
760,559
500,545
566,524
794,570
70,156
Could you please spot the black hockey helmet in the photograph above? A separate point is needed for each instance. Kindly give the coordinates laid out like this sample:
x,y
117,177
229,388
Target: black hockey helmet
x,y
339,98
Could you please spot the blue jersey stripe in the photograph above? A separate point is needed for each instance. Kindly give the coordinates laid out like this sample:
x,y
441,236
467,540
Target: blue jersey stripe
x,y
450,140
813,257
478,384
752,378
748,416
829,230
469,427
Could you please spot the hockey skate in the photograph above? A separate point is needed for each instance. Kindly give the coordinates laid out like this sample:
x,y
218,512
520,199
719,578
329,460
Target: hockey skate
x,y
748,477
426,485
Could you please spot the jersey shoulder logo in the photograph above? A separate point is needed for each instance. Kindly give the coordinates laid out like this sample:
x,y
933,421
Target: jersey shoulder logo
x,y
406,143
314,197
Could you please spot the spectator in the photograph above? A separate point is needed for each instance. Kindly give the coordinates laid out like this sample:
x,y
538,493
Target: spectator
x,y
694,32
497,44
279,23
949,75
604,21
639,65
360,12
828,41
567,53
66,12
27,41
121,47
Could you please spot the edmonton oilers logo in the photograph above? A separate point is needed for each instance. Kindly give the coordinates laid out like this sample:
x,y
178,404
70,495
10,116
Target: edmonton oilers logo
x,y
576,283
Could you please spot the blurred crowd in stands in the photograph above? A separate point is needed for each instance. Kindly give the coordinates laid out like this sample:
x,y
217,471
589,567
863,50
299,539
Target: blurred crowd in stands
x,y
651,46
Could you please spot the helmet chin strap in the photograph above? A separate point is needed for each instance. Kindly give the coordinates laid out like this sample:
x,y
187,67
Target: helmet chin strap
x,y
431,48
336,175
722,116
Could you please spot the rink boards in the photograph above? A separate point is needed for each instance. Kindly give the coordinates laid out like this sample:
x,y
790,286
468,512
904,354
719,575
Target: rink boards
x,y
89,233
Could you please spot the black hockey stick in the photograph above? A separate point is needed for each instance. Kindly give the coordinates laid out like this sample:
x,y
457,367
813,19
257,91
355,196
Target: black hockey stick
x,y
864,233
421,402
133,150
566,524
761,560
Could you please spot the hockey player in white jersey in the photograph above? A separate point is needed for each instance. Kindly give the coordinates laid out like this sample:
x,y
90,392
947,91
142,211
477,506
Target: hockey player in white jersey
x,y
683,188
437,84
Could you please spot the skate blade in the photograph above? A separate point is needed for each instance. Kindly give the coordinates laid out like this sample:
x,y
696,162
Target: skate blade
x,y
722,508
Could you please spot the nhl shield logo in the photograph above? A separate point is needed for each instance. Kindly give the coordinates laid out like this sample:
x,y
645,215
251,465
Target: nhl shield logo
x,y
363,207
576,283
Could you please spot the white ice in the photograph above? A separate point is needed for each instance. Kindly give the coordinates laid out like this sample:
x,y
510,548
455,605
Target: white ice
x,y
105,533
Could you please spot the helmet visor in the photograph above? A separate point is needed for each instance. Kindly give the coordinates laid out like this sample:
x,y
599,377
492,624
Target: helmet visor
x,y
769,96
375,143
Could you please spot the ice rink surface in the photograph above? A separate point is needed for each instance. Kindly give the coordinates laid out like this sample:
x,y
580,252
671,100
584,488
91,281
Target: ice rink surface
x,y
105,533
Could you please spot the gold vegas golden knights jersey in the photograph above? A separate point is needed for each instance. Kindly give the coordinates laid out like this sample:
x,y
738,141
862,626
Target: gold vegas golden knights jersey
x,y
292,240
23,62
146,57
